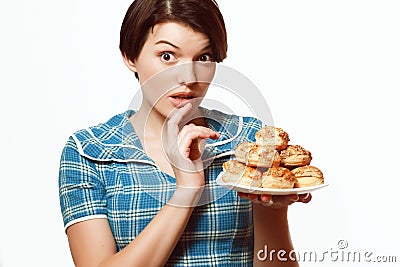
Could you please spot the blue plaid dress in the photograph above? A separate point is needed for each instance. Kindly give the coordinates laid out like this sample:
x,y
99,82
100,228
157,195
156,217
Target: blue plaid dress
x,y
105,173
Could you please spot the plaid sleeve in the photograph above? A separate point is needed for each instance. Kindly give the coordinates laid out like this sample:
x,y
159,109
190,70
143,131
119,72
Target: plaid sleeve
x,y
81,191
251,126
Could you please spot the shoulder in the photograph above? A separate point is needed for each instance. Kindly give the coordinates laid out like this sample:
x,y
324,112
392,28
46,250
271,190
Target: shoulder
x,y
102,142
109,132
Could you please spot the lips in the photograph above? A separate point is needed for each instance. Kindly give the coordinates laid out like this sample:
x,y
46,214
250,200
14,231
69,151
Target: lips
x,y
181,98
183,95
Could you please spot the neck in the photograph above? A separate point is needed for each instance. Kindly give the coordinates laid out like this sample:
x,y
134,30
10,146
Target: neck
x,y
149,124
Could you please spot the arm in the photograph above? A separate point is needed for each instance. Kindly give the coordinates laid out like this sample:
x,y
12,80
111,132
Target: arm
x,y
271,234
271,229
92,243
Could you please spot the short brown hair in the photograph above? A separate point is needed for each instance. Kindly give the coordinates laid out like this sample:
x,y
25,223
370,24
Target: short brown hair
x,y
201,15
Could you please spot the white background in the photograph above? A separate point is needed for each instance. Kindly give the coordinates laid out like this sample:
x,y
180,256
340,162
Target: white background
x,y
329,71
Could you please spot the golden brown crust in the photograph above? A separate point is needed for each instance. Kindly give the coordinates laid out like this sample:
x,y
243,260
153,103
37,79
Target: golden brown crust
x,y
271,162
295,156
238,173
308,176
278,177
277,159
255,155
233,166
272,136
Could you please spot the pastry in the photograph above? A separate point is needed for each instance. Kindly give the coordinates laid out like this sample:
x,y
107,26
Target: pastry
x,y
255,155
271,162
295,156
307,176
278,177
238,173
277,159
272,136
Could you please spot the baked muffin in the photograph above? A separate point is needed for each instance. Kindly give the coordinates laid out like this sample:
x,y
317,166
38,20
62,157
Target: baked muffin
x,y
278,177
254,155
295,156
238,173
273,137
307,176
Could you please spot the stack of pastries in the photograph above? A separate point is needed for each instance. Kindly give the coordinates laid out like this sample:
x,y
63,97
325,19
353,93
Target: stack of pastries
x,y
271,162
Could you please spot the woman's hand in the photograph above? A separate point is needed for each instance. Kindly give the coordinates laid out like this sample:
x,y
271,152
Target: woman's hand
x,y
184,146
274,201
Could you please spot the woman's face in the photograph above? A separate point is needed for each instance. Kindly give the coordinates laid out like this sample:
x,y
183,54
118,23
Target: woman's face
x,y
175,66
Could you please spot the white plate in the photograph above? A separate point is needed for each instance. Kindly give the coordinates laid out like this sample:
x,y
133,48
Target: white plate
x,y
270,191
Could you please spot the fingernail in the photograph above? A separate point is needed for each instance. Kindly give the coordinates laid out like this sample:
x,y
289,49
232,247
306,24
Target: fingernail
x,y
294,198
269,203
305,198
266,198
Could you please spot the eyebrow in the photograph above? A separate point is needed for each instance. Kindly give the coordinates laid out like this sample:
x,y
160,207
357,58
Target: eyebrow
x,y
177,47
168,43
206,48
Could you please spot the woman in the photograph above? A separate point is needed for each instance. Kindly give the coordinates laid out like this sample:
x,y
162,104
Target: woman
x,y
138,189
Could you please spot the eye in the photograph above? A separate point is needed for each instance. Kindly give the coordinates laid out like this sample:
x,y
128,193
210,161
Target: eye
x,y
205,58
167,57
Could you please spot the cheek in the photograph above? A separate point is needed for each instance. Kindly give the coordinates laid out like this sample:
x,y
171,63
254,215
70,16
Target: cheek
x,y
163,106
147,70
157,87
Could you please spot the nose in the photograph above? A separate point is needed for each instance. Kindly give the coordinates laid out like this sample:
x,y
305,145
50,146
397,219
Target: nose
x,y
187,74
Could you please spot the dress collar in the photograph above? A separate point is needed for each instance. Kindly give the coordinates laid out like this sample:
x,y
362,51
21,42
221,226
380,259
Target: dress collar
x,y
117,141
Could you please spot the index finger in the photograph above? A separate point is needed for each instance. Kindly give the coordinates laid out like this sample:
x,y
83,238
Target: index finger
x,y
176,117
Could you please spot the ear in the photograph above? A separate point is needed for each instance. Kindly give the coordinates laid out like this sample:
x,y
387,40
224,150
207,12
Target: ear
x,y
131,65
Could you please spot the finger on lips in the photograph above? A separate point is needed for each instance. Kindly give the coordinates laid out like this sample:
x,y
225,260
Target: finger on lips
x,y
177,115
